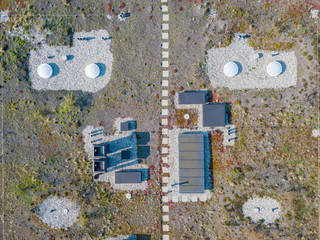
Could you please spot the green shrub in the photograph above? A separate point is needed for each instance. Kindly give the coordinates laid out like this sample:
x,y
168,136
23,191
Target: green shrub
x,y
68,105
310,57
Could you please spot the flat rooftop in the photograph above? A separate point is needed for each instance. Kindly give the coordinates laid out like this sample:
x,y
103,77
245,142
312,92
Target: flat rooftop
x,y
192,97
214,115
191,163
127,177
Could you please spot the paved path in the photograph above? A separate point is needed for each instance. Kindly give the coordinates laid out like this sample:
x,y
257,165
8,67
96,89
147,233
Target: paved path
x,y
164,116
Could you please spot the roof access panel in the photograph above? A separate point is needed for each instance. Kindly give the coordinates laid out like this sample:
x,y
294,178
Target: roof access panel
x,y
192,97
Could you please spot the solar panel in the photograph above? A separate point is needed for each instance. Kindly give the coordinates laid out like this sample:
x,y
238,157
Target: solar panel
x,y
214,115
191,163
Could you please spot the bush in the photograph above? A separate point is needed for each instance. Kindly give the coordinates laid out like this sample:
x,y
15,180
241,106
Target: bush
x,y
4,48
23,71
310,57
68,105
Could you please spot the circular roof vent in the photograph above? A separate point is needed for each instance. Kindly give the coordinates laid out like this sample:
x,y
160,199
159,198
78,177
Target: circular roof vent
x,y
44,70
231,69
92,70
274,69
128,196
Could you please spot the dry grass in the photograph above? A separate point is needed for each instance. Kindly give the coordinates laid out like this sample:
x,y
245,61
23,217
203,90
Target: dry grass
x,y
181,122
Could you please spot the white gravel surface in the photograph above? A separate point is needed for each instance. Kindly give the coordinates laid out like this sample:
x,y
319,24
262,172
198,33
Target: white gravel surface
x,y
33,36
118,121
110,175
58,212
264,208
4,17
254,71
70,74
315,13
316,133
123,237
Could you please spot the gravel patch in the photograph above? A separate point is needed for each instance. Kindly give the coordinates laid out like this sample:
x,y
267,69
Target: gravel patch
x,y
315,13
34,36
123,237
265,208
58,212
4,17
69,74
253,72
316,133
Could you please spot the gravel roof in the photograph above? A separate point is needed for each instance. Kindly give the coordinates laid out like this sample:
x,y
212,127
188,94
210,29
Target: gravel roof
x,y
265,208
253,67
58,212
132,165
70,74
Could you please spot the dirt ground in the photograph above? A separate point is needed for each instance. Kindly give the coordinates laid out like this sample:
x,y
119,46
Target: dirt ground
x,y
274,154
44,152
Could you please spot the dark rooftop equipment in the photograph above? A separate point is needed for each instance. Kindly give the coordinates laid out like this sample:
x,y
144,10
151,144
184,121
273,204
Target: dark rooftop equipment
x,y
99,150
125,154
214,115
99,165
191,163
124,126
192,97
126,177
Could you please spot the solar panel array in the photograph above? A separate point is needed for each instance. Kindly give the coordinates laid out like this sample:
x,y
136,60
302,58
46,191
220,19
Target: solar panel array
x,y
191,163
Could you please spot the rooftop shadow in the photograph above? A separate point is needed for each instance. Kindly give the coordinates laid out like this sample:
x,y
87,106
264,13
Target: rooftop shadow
x,y
116,159
70,57
86,38
143,151
228,112
123,165
132,124
143,237
122,143
239,66
102,68
284,66
208,177
55,69
143,138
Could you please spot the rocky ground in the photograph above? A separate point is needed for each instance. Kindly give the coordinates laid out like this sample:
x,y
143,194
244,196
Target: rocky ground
x,y
275,155
47,125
